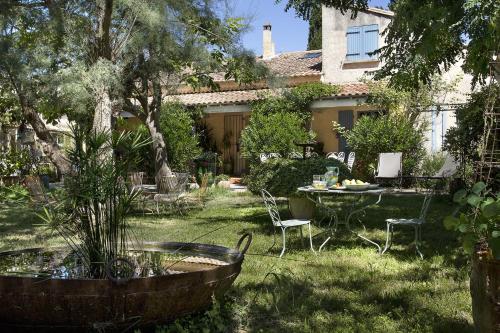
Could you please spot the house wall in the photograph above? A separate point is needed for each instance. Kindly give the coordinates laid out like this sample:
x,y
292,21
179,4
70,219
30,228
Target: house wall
x,y
335,67
323,120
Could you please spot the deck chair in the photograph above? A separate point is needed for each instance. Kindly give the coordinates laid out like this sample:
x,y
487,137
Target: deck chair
x,y
390,167
272,209
340,156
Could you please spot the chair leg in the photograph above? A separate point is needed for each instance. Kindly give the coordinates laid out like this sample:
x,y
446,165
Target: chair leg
x,y
388,239
310,238
274,239
301,236
284,242
418,236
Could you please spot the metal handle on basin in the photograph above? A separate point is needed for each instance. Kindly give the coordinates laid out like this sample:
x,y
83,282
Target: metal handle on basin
x,y
120,261
247,245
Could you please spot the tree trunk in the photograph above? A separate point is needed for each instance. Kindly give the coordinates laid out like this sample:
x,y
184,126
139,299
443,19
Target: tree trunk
x,y
159,146
103,113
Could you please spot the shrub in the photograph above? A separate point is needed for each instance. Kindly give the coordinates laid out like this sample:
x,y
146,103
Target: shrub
x,y
371,136
177,127
274,133
281,177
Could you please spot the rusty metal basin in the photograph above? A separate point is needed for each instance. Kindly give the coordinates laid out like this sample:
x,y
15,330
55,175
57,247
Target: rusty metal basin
x,y
39,304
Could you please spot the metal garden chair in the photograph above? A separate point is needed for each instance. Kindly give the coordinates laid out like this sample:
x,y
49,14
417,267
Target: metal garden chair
x,y
264,157
350,160
416,223
172,191
272,208
340,156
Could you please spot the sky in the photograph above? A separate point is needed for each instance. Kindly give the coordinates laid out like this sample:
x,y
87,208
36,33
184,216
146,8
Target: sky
x,y
289,32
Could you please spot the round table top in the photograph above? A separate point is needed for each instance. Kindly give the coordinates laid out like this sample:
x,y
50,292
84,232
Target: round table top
x,y
310,189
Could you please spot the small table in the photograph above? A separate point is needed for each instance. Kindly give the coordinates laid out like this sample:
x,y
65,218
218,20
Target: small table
x,y
315,195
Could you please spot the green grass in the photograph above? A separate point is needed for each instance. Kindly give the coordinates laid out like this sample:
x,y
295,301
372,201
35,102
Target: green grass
x,y
346,288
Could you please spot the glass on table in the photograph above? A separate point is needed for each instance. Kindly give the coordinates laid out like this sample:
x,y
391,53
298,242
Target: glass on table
x,y
319,182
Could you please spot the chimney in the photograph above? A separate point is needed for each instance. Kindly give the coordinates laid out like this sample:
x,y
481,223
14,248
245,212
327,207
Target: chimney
x,y
267,42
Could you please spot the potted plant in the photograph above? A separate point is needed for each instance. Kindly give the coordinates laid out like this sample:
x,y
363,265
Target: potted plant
x,y
478,221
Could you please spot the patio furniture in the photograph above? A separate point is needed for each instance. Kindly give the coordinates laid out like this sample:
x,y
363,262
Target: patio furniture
x,y
295,155
390,167
136,179
350,160
340,156
272,208
416,223
172,191
264,157
357,207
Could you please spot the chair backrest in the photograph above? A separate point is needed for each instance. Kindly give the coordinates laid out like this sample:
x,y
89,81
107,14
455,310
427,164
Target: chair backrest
x,y
340,156
350,160
271,206
449,168
294,154
136,178
425,206
389,165
264,157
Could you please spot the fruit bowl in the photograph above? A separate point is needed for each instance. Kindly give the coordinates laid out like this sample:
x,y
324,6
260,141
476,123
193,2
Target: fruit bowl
x,y
357,187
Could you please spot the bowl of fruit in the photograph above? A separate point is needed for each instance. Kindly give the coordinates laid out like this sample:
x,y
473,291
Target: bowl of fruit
x,y
355,184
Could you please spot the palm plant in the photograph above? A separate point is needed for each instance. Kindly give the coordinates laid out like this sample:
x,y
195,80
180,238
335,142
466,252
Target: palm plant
x,y
92,218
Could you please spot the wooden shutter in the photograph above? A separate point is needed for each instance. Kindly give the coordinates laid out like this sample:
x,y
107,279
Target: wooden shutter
x,y
354,44
370,40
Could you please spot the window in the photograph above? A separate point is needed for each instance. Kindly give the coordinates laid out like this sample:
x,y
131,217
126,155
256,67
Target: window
x,y
361,41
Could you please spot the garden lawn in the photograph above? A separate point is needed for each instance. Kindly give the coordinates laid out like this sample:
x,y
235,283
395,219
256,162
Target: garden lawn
x,y
346,288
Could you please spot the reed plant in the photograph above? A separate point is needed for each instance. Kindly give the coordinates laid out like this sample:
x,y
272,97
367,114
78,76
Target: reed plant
x,y
92,215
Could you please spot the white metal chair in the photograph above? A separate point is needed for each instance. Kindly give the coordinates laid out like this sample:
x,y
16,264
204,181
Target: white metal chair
x,y
449,168
264,157
172,191
350,160
272,208
390,166
416,223
295,155
340,156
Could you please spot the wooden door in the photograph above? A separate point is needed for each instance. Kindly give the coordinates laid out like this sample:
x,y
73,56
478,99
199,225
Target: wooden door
x,y
346,120
233,125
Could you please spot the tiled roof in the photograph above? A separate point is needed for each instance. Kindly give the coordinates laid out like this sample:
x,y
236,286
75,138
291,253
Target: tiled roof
x,y
246,96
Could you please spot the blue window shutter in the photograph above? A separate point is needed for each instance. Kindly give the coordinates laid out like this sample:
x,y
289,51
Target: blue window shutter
x,y
354,43
370,41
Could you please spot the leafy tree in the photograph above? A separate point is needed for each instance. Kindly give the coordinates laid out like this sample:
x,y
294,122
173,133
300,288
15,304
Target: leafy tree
x,y
314,38
371,136
464,139
90,59
178,129
306,8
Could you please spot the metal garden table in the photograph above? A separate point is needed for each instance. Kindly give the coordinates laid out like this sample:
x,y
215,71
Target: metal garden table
x,y
357,207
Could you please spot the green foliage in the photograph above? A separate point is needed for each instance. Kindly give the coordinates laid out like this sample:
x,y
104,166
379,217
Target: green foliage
x,y
181,141
92,216
372,135
274,133
278,121
426,37
305,8
296,100
431,163
314,38
13,194
464,139
478,219
14,160
282,177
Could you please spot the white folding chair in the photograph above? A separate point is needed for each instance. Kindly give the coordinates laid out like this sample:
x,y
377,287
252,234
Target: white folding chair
x,y
389,166
340,156
272,209
350,160
416,223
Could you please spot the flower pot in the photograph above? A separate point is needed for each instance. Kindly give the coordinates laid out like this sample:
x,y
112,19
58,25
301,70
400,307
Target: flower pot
x,y
485,292
301,208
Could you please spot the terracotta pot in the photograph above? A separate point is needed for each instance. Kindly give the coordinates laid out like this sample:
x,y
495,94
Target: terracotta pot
x,y
301,208
485,292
